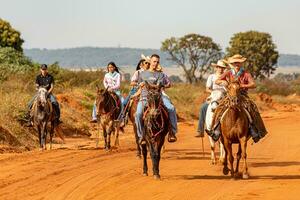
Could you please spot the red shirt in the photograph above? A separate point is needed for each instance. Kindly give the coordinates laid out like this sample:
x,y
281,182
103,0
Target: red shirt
x,y
244,78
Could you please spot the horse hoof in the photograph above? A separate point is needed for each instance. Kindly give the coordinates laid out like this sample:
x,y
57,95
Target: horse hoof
x,y
156,177
245,176
145,174
138,156
225,171
213,162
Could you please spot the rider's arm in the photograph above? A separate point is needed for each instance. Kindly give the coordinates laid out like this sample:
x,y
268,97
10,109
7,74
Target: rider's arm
x,y
222,79
209,84
251,83
51,88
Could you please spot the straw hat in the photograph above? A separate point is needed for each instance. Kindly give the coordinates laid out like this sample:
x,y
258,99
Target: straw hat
x,y
237,58
146,58
220,63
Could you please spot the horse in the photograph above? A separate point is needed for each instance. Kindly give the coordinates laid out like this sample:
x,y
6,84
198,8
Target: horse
x,y
157,126
131,114
214,99
234,126
42,114
108,106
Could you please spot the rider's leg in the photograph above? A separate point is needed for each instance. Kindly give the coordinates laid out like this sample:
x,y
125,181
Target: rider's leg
x,y
202,116
94,113
172,116
139,119
55,105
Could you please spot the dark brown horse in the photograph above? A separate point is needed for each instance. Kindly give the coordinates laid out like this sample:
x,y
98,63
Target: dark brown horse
x,y
42,113
235,130
132,106
108,106
157,126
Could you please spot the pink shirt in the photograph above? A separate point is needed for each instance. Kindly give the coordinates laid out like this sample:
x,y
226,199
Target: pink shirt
x,y
112,80
244,78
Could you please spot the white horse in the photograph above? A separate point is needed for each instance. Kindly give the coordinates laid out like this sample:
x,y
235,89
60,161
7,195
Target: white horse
x,y
213,99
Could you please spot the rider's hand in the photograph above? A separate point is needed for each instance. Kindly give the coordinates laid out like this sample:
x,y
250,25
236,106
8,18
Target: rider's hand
x,y
109,89
142,84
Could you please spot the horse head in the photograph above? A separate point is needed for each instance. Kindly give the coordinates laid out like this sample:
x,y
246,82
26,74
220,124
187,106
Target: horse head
x,y
101,99
42,97
234,91
214,97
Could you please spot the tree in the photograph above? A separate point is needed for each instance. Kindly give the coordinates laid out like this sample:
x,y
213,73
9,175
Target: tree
x,y
9,37
193,53
13,62
259,50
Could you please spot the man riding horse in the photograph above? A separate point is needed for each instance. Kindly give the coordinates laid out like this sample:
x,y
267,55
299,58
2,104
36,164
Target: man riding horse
x,y
153,77
46,80
245,80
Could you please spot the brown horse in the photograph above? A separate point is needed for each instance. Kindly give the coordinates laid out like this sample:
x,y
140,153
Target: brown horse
x,y
108,106
235,130
132,106
157,126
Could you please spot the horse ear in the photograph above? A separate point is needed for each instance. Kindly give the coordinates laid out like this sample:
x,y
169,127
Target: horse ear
x,y
98,89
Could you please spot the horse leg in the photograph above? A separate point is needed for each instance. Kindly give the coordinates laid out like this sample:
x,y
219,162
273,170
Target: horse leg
x,y
40,136
154,158
51,134
244,156
110,130
145,165
138,153
212,152
117,137
45,135
104,136
222,152
225,164
231,158
238,157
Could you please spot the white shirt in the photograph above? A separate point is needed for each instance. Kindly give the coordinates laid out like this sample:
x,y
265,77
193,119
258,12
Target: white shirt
x,y
211,82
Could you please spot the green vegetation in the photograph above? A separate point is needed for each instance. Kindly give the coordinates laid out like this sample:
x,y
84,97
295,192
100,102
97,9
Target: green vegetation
x,y
9,37
259,50
193,53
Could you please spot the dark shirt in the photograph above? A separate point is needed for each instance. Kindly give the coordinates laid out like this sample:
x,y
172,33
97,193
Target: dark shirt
x,y
44,81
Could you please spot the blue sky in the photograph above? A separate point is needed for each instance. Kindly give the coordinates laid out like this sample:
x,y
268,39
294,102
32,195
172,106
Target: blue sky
x,y
144,23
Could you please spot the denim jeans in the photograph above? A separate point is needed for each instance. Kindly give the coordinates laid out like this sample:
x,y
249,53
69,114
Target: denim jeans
x,y
202,116
139,115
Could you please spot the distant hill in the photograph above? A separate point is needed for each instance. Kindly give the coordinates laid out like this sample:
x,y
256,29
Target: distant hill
x,y
93,56
84,57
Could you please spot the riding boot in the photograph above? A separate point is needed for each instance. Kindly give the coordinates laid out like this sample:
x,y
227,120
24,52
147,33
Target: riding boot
x,y
254,134
172,137
216,133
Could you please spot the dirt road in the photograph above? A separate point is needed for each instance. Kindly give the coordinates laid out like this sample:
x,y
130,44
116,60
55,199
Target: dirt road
x,y
79,171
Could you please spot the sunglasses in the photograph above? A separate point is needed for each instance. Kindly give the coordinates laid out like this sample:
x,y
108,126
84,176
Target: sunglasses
x,y
146,63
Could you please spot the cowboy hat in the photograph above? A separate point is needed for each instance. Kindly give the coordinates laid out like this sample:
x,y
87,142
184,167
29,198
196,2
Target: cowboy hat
x,y
146,58
237,58
220,63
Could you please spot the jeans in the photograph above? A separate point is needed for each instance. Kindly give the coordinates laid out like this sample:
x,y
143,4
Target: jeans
x,y
202,116
131,92
139,115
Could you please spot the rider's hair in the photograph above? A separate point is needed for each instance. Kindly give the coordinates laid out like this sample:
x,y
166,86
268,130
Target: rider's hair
x,y
155,55
139,64
114,65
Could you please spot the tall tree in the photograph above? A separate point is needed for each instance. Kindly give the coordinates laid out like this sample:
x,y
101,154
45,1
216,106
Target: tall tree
x,y
193,53
9,37
258,48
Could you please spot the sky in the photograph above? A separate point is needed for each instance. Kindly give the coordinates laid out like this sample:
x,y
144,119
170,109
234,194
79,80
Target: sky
x,y
146,23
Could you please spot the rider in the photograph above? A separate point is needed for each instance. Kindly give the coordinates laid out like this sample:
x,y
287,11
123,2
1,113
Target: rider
x,y
237,72
210,86
152,77
141,66
45,80
111,82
